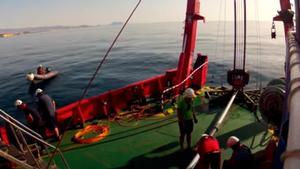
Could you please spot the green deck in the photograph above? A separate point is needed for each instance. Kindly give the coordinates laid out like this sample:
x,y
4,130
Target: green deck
x,y
153,143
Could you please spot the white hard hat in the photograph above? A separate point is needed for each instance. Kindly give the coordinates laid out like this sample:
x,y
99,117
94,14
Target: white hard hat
x,y
18,102
30,76
204,135
189,93
232,140
40,65
38,91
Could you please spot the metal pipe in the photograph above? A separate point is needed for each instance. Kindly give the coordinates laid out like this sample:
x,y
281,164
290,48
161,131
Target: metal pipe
x,y
293,142
29,150
19,123
223,115
196,158
15,160
19,145
297,8
24,131
194,162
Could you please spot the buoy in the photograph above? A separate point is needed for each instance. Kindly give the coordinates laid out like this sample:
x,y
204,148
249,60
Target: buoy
x,y
101,132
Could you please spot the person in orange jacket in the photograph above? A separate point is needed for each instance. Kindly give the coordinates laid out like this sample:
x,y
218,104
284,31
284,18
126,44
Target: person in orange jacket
x,y
32,116
209,150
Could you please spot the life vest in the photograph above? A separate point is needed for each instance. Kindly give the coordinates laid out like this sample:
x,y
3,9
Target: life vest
x,y
208,145
3,135
25,108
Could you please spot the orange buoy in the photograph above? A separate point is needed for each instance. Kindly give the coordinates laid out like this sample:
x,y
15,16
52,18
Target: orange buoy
x,y
101,132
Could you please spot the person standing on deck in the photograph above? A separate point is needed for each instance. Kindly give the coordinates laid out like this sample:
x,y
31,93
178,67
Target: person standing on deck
x,y
46,106
241,157
210,155
186,117
32,116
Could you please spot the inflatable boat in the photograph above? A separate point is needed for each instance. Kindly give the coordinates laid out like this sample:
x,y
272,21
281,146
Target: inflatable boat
x,y
38,78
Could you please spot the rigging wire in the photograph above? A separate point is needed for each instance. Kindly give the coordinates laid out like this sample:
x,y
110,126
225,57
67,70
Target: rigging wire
x,y
239,20
218,36
95,74
224,41
245,33
258,54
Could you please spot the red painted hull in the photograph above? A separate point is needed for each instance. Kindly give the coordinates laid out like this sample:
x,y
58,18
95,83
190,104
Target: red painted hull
x,y
112,102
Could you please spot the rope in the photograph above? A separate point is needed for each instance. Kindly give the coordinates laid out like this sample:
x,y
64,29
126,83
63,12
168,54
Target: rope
x,y
259,78
224,40
94,75
217,38
100,133
175,86
107,52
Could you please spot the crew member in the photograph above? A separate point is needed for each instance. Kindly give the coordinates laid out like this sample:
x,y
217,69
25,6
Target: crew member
x,y
209,150
186,117
241,157
41,70
32,115
46,107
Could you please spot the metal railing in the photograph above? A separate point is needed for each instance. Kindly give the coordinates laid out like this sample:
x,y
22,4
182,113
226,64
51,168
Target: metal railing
x,y
16,124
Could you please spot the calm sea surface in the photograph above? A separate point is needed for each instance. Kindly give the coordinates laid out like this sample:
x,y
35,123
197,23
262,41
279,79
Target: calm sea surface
x,y
142,51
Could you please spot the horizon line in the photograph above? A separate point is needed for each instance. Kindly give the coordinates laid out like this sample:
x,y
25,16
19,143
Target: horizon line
x,y
105,24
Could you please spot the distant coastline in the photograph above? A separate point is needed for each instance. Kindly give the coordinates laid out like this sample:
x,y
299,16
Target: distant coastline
x,y
12,32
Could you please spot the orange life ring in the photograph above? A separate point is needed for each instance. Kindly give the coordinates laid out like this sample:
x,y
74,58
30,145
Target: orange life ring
x,y
103,131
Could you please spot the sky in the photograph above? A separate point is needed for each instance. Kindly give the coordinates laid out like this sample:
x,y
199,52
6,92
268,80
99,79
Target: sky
x,y
33,13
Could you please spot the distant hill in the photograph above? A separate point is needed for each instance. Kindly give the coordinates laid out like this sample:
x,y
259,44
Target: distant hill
x,y
38,29
116,23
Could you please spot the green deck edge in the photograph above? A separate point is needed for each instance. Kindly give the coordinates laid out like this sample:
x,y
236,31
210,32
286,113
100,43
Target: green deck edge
x,y
154,143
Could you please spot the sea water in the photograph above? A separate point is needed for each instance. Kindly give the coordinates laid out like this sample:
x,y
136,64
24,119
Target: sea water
x,y
142,51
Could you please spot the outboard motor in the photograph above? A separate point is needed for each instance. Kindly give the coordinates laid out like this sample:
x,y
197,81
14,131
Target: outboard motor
x,y
271,103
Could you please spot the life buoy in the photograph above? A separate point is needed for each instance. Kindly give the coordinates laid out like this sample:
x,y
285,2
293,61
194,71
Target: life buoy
x,y
100,130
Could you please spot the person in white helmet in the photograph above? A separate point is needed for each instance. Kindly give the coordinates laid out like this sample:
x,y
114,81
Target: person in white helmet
x,y
32,116
186,117
241,157
41,70
47,108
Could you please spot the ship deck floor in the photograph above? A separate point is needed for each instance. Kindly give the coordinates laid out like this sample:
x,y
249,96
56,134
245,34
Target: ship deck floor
x,y
153,143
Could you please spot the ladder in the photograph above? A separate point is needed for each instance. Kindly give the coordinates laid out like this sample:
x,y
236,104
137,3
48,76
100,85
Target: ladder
x,y
23,154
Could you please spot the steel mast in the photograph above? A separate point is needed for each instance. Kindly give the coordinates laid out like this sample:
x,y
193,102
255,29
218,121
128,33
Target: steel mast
x,y
189,40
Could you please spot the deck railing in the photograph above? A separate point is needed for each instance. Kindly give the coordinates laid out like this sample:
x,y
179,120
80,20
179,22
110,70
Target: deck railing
x,y
16,125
